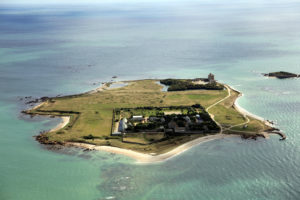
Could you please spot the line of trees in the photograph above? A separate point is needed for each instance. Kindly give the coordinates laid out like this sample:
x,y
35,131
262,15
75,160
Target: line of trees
x,y
181,85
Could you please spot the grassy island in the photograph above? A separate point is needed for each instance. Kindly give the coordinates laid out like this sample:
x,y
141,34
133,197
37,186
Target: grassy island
x,y
143,118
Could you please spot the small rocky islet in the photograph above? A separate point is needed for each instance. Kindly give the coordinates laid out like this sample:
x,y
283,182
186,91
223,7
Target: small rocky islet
x,y
282,75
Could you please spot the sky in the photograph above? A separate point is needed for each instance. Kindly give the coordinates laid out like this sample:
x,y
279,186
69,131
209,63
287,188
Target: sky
x,y
24,2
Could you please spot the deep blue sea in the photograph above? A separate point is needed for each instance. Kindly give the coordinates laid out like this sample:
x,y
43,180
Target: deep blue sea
x,y
49,50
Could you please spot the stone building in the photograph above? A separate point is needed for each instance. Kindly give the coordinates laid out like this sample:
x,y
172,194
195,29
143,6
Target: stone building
x,y
211,78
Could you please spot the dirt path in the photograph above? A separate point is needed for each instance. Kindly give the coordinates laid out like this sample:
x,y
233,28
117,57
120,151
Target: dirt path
x,y
212,116
211,106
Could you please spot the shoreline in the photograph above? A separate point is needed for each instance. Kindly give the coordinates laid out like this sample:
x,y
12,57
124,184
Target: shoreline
x,y
143,158
62,124
150,158
105,86
246,112
98,89
37,106
265,134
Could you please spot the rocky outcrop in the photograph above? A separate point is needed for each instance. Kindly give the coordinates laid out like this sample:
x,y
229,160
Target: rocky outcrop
x,y
43,139
282,75
31,100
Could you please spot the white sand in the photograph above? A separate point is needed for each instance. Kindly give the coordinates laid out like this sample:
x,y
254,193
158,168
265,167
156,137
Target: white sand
x,y
101,88
37,106
246,112
147,158
105,87
63,123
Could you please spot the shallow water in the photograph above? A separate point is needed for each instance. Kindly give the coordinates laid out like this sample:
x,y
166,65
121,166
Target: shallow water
x,y
164,87
54,50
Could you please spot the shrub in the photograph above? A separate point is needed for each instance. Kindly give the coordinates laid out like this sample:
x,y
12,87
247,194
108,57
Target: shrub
x,y
89,137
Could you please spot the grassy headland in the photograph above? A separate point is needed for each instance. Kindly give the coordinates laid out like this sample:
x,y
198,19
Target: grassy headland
x,y
91,114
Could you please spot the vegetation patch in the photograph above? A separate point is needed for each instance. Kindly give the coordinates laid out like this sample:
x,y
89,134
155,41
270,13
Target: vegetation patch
x,y
187,84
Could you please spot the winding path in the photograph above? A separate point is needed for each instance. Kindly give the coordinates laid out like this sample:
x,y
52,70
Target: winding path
x,y
213,117
265,134
229,94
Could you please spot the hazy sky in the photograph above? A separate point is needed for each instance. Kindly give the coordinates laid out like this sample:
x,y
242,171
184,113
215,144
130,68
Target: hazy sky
x,y
66,1
57,1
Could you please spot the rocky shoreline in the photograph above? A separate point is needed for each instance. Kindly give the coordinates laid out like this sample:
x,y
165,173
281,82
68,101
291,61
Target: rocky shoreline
x,y
271,130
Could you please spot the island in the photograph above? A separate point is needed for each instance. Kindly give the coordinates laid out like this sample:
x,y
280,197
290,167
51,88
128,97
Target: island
x,y
282,75
139,119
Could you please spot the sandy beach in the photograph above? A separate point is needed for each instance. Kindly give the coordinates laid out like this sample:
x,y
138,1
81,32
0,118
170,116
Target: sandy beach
x,y
63,123
98,89
37,106
105,86
245,112
147,158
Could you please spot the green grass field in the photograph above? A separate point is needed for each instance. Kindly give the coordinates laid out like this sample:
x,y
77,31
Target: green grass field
x,y
92,113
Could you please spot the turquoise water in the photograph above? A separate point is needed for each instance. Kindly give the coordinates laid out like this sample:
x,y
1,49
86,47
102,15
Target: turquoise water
x,y
51,50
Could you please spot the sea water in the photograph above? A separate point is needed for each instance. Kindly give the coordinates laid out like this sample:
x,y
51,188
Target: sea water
x,y
58,50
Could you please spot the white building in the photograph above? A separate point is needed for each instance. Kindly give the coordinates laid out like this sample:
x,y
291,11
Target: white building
x,y
137,118
122,125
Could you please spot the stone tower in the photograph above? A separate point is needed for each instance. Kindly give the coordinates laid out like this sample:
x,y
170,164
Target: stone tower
x,y
211,78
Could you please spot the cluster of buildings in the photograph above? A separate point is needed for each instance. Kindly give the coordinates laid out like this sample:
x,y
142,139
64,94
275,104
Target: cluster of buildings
x,y
174,127
171,126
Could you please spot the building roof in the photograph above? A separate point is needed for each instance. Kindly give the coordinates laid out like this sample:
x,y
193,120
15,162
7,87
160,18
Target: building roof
x,y
137,116
122,125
